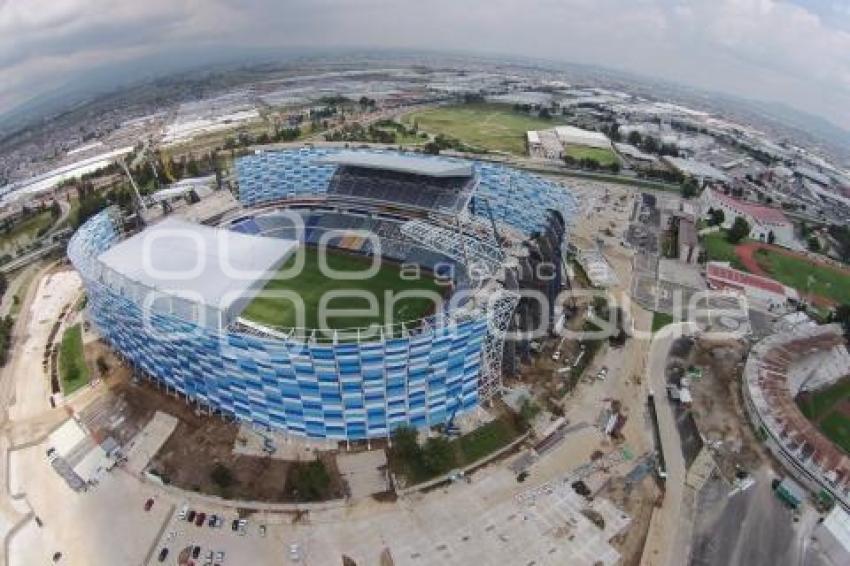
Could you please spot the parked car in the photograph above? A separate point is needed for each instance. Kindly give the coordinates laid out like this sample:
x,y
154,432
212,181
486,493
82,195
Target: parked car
x,y
234,525
149,504
196,551
201,519
183,510
294,553
219,556
163,554
212,521
191,516
262,530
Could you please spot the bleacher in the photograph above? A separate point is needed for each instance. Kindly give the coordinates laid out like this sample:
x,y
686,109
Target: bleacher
x,y
517,198
409,190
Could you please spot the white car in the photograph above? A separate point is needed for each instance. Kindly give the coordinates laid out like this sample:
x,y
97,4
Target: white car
x,y
183,510
556,356
294,553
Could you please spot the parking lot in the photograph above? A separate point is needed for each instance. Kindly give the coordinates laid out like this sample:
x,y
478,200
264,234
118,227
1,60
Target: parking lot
x,y
211,532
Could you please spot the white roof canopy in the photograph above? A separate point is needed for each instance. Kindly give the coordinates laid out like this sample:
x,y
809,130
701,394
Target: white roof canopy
x,y
213,269
414,165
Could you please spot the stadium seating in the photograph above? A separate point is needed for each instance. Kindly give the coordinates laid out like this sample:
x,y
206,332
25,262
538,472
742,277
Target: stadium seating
x,y
516,198
411,190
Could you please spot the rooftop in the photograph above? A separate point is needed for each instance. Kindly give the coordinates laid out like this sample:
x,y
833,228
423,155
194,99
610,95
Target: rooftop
x,y
756,211
203,265
697,168
401,163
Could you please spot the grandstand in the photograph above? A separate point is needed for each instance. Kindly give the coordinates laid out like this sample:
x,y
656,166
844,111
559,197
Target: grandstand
x,y
483,229
799,357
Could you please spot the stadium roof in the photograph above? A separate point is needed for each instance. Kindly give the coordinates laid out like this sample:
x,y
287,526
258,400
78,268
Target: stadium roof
x,y
755,211
414,165
202,265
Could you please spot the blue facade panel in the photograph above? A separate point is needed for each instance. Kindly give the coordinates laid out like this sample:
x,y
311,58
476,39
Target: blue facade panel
x,y
347,391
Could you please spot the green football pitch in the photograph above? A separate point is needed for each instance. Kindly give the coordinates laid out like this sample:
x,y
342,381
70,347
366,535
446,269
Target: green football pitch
x,y
828,409
308,288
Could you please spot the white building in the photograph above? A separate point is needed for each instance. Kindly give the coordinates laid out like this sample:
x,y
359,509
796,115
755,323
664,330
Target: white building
x,y
570,135
762,219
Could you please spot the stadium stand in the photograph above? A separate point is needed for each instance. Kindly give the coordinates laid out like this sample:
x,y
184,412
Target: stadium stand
x,y
415,191
340,389
802,357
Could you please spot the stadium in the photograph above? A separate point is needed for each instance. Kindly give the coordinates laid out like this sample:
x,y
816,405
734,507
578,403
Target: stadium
x,y
481,237
800,359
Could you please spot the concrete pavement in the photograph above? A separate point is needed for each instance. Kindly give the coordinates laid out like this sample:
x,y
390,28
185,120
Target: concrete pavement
x,y
669,535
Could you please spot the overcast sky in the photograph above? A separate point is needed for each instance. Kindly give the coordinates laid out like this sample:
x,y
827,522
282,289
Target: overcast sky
x,y
793,51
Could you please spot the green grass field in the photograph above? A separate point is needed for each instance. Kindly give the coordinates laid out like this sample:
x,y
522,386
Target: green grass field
x,y
311,285
24,232
494,127
795,272
823,408
836,426
717,248
72,363
660,320
605,157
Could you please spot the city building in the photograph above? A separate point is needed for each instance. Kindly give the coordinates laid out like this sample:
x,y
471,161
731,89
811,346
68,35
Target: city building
x,y
763,220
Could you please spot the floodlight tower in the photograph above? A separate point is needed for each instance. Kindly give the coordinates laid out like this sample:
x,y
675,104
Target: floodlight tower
x,y
139,206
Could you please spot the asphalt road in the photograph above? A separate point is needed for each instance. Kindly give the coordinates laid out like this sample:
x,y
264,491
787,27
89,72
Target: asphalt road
x,y
752,528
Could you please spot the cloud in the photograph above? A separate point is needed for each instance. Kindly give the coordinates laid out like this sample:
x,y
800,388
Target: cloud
x,y
768,49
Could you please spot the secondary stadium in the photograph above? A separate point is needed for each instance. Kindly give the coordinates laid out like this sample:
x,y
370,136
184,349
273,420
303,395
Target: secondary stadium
x,y
227,315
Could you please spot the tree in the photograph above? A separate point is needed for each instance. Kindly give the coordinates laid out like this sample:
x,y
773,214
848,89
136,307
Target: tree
x,y
651,145
405,443
307,482
431,148
634,138
771,237
814,244
221,476
690,187
740,230
841,314
437,455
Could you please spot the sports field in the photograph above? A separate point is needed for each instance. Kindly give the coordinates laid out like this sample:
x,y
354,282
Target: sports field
x,y
718,248
829,409
311,285
605,157
805,275
495,127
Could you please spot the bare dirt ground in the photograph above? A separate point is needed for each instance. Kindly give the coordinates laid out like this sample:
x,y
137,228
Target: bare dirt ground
x,y
718,408
198,444
201,443
637,501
